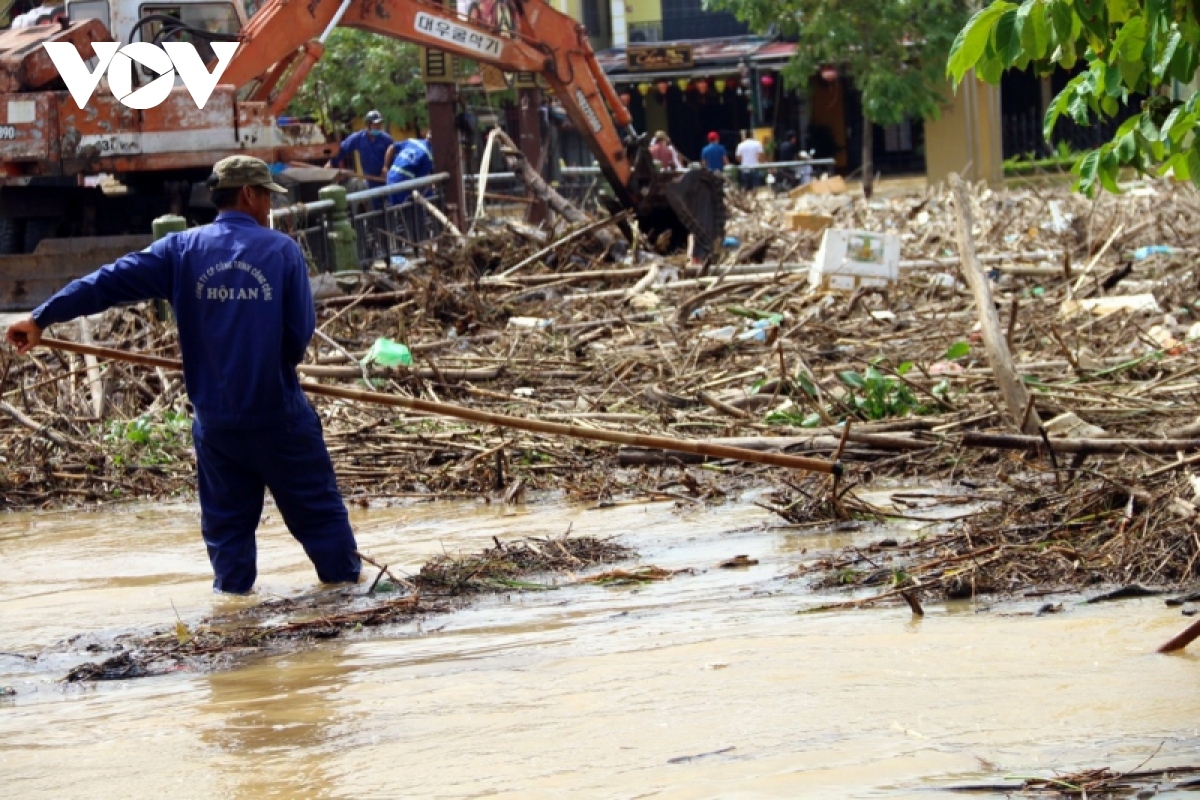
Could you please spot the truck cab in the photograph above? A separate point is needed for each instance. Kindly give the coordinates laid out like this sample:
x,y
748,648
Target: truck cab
x,y
109,169
121,18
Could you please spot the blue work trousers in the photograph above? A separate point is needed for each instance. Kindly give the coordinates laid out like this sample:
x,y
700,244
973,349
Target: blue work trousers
x,y
290,459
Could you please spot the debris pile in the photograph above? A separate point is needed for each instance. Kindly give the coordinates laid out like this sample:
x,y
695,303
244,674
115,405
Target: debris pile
x,y
1098,306
283,624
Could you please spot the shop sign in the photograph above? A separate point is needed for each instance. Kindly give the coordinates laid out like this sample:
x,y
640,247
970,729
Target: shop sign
x,y
647,58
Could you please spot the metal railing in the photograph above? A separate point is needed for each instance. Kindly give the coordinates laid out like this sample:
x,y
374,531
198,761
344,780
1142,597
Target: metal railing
x,y
387,222
786,174
505,192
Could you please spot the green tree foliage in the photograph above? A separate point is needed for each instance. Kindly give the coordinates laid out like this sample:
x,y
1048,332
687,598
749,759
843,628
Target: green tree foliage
x,y
1126,48
895,50
361,71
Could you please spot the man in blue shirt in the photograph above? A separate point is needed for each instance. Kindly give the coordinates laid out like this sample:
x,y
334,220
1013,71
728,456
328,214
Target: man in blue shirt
x,y
364,151
714,155
245,315
412,159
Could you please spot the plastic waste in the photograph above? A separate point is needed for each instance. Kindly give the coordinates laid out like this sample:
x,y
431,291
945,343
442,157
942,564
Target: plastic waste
x,y
1059,222
529,322
323,286
732,241
1143,253
945,368
387,353
763,330
724,334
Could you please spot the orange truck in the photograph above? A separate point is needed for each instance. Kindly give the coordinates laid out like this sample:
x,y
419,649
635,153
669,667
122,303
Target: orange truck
x,y
52,151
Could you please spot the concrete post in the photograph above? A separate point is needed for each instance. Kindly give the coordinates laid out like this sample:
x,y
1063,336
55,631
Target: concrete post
x,y
160,227
343,241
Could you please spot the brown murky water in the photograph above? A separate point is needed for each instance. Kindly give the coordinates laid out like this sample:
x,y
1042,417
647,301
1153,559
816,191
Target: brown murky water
x,y
706,686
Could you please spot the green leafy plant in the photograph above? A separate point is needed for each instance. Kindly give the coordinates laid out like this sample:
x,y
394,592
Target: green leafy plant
x,y
147,440
872,394
361,71
877,395
957,350
1129,48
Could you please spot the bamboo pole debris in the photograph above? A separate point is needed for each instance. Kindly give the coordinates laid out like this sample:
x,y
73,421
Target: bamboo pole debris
x,y
489,418
1016,396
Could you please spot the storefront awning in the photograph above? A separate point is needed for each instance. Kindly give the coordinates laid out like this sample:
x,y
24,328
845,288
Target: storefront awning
x,y
775,51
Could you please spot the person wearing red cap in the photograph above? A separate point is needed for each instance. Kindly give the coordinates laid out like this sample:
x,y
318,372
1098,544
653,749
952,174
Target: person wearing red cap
x,y
714,155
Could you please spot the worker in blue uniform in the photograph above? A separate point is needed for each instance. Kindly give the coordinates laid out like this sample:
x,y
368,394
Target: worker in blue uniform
x,y
244,310
364,151
412,159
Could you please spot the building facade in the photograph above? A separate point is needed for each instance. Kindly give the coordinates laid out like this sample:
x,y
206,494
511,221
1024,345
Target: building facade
x,y
687,71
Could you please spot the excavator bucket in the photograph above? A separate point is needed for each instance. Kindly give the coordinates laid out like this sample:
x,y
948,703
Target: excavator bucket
x,y
689,203
698,200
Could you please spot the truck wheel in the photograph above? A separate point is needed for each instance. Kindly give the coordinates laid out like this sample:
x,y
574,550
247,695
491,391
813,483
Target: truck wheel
x,y
38,228
10,236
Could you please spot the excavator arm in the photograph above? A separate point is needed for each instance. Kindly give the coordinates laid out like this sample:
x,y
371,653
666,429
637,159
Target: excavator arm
x,y
284,39
282,42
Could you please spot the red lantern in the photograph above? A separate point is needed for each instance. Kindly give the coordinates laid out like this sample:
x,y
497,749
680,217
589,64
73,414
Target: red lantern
x,y
767,79
664,86
829,73
702,86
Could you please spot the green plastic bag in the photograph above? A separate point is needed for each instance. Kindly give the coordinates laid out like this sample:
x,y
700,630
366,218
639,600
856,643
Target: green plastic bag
x,y
387,353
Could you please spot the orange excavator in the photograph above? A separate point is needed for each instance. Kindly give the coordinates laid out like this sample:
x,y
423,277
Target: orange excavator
x,y
50,147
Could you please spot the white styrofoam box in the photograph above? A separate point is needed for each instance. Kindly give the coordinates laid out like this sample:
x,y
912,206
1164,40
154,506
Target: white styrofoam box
x,y
849,259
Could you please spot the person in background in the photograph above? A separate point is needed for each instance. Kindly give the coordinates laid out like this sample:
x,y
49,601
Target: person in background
x,y
244,310
805,171
364,152
665,154
714,155
749,154
789,148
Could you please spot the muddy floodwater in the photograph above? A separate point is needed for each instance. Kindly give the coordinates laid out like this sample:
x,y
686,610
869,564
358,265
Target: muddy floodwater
x,y
708,685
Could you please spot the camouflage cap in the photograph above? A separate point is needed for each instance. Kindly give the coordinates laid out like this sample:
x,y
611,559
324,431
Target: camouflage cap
x,y
238,171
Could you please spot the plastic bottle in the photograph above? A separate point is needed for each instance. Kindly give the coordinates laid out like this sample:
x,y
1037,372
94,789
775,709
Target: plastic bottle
x,y
1152,250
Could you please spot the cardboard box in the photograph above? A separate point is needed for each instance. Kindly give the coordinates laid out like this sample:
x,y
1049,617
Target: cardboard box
x,y
850,259
803,221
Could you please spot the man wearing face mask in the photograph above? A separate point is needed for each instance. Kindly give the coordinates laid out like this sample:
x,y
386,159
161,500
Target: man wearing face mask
x,y
244,310
363,151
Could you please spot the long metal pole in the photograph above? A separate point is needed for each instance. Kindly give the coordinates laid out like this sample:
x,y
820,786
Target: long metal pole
x,y
501,420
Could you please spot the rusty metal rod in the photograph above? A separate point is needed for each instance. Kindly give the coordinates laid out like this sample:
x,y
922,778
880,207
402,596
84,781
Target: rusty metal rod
x,y
500,420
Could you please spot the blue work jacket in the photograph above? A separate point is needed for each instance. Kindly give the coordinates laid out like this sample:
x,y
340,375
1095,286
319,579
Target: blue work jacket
x,y
242,302
414,159
371,152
